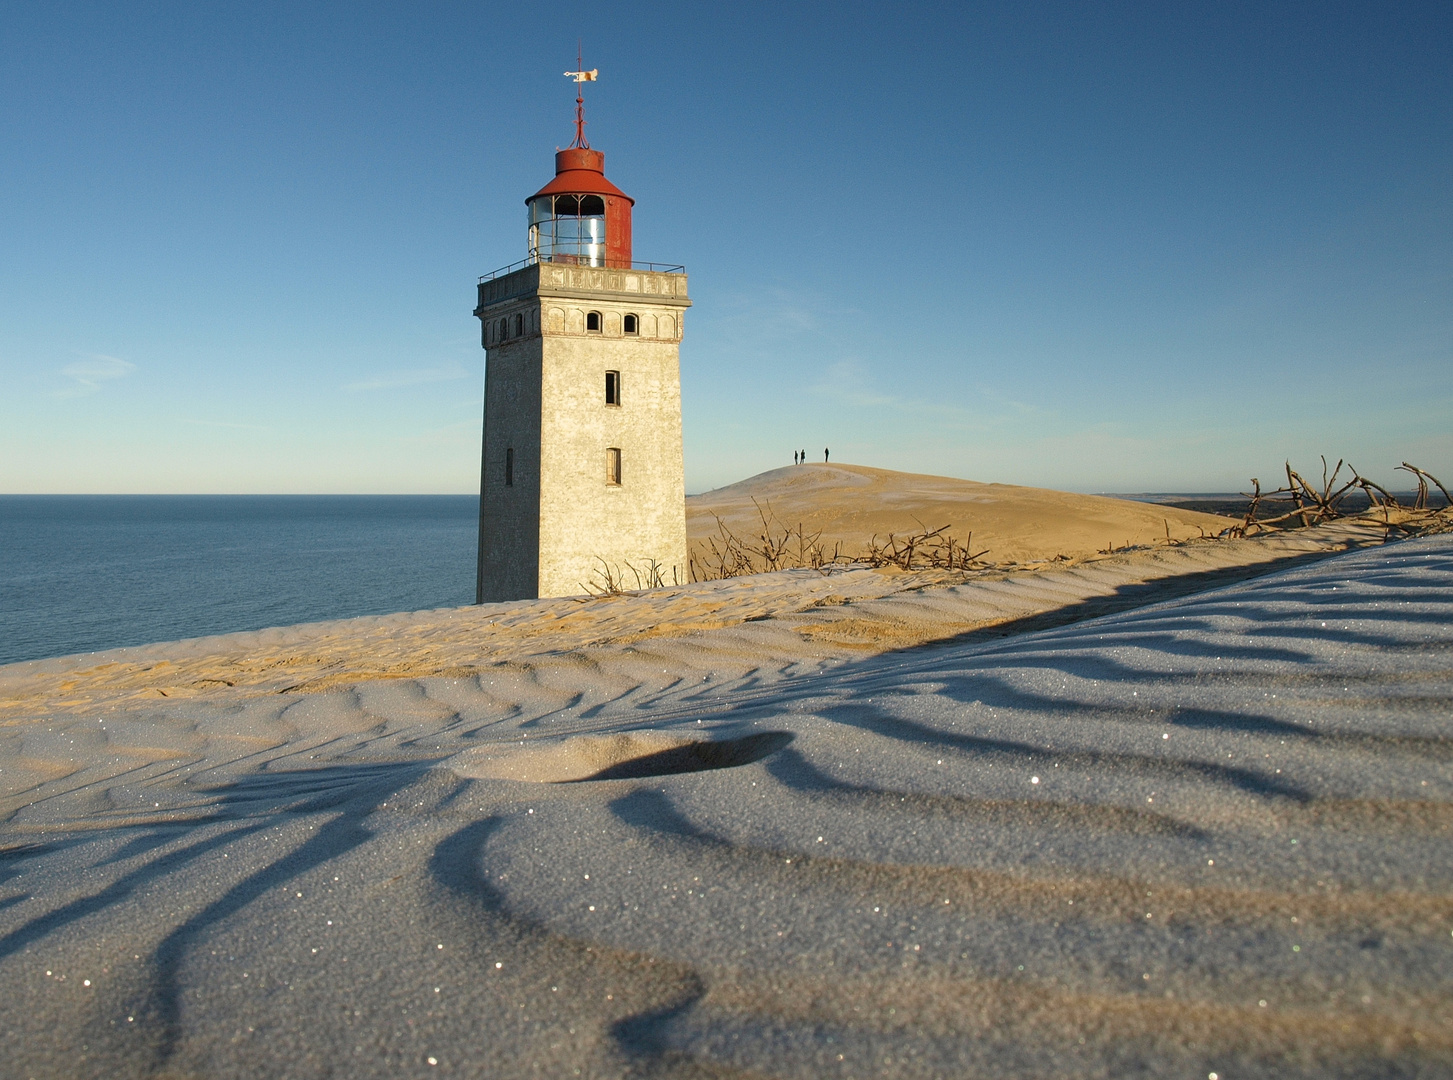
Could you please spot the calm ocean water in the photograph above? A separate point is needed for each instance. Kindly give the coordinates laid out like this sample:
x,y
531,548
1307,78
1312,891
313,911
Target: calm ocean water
x,y
86,572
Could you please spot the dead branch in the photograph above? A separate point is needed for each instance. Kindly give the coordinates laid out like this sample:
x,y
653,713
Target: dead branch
x,y
608,583
1423,477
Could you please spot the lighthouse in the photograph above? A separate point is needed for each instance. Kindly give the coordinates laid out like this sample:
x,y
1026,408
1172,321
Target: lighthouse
x,y
581,481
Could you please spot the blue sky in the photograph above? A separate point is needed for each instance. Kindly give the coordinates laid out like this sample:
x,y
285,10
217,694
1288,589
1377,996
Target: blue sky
x,y
1118,247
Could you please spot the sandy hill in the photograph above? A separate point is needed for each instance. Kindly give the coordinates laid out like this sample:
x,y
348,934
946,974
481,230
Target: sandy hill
x,y
850,503
716,831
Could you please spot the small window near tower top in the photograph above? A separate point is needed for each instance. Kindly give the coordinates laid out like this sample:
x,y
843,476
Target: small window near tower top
x,y
504,329
510,467
519,325
613,466
629,324
592,321
612,387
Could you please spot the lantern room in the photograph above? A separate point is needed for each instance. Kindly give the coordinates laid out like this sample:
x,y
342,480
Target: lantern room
x,y
580,217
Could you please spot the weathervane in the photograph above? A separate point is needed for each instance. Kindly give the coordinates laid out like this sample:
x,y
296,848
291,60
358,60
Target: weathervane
x,y
581,76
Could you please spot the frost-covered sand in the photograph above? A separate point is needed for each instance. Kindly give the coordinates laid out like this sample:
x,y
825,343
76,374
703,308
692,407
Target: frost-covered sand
x,y
1170,812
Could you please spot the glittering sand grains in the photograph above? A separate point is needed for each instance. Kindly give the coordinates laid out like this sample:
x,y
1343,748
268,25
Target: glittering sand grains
x,y
782,826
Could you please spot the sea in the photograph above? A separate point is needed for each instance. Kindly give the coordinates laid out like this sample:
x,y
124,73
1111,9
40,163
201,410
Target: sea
x,y
79,573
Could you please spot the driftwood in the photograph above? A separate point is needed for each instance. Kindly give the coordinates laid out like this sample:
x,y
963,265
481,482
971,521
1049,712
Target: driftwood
x,y
1312,506
1423,477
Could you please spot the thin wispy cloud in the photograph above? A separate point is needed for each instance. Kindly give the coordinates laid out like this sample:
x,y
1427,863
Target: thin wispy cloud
x,y
391,380
851,383
88,374
224,424
771,314
463,434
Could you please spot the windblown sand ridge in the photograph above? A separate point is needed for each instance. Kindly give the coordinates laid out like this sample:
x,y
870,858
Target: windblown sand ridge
x,y
842,611
1167,812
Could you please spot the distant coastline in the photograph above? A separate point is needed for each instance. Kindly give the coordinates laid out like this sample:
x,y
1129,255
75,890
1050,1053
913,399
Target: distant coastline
x,y
80,573
1234,503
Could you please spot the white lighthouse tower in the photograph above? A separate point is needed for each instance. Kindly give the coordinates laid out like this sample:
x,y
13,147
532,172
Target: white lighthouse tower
x,y
581,478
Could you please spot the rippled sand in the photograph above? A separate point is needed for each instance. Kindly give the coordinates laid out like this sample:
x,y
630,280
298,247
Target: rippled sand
x,y
1163,813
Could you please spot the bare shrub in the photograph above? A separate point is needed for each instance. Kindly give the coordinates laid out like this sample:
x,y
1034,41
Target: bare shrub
x,y
777,546
1423,477
605,581
927,549
1312,506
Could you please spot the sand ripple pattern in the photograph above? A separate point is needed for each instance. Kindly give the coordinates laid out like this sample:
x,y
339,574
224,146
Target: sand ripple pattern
x,y
1212,835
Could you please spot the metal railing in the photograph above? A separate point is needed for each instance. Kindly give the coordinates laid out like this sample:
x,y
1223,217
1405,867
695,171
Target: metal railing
x,y
654,268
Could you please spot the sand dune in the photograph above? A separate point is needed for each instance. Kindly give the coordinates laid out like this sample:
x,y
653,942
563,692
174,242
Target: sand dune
x,y
1172,812
852,503
854,610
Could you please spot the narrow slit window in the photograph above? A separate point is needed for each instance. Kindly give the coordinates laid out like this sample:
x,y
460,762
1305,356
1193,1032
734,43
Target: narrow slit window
x,y
613,466
510,467
519,325
592,322
612,387
630,324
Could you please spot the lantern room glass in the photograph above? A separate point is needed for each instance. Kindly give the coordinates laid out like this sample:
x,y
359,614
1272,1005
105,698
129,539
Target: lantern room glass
x,y
568,229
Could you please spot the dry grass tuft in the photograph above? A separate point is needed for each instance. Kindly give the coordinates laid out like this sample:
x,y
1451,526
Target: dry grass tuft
x,y
779,546
609,579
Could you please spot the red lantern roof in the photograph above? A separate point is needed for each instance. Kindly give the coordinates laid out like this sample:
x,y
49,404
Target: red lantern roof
x,y
580,171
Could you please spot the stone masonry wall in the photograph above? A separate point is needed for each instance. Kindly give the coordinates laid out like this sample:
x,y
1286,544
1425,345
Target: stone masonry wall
x,y
563,507
510,516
